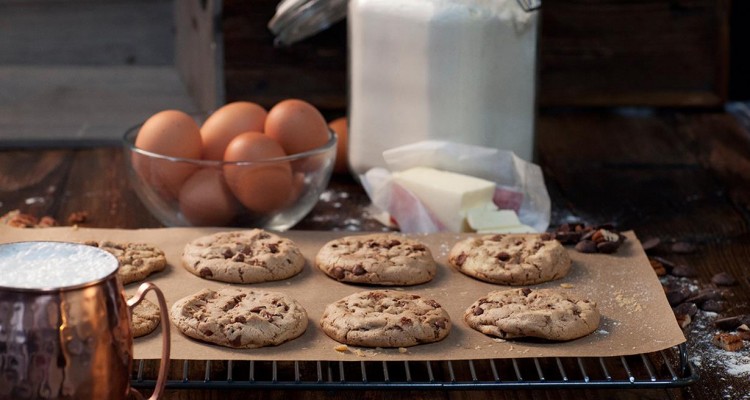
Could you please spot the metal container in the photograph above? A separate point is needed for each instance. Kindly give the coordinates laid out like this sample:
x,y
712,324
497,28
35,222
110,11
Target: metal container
x,y
72,342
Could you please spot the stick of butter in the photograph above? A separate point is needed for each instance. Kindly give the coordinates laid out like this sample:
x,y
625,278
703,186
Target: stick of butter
x,y
489,220
447,195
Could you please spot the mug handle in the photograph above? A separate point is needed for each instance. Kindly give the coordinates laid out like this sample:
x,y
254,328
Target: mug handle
x,y
165,338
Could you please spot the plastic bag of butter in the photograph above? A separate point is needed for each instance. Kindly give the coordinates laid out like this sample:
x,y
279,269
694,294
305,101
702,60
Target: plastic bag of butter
x,y
435,186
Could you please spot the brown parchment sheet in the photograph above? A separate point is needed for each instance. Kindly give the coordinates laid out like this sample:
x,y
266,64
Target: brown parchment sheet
x,y
636,317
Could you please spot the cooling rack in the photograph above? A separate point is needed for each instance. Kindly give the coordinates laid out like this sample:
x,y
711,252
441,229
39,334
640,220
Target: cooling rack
x,y
662,369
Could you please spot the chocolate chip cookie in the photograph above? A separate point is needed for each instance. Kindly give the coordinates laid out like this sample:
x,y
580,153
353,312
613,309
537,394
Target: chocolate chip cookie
x,y
511,259
239,318
377,259
541,313
385,318
251,256
144,318
137,260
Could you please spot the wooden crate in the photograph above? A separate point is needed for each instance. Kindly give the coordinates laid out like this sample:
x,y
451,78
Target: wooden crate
x,y
664,53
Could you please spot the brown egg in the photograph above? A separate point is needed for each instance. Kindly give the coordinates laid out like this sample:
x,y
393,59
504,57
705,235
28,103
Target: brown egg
x,y
170,133
262,188
339,125
205,199
297,125
226,123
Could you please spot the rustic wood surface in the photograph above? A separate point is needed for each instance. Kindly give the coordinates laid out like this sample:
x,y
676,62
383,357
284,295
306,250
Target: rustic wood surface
x,y
678,177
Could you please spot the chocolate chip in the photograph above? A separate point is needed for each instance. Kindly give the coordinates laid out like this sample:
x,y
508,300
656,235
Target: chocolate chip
x,y
686,308
586,246
392,243
406,321
358,270
461,259
650,244
545,237
705,295
713,306
419,247
478,311
568,237
440,324
338,273
677,296
273,247
503,256
685,271
205,272
240,318
433,303
526,291
208,333
666,263
257,309
239,257
264,235
607,247
226,252
728,323
237,341
724,279
683,247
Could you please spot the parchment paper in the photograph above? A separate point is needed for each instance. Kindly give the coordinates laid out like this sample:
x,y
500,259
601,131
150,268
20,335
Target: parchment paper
x,y
636,317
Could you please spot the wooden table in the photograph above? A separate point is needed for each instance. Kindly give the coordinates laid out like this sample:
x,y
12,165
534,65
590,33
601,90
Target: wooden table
x,y
679,177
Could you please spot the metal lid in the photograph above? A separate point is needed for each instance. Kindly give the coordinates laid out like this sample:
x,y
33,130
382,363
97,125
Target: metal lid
x,y
299,19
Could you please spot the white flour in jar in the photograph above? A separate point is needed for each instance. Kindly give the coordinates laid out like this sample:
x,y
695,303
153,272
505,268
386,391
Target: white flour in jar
x,y
46,265
440,69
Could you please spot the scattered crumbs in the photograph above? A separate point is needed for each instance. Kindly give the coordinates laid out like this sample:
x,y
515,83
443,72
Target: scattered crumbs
x,y
500,340
359,353
566,285
75,227
341,348
602,332
478,348
628,303
403,350
511,348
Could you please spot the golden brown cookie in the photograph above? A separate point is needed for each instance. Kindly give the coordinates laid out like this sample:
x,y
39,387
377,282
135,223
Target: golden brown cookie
x,y
239,318
511,259
385,318
377,259
137,260
144,318
541,313
251,256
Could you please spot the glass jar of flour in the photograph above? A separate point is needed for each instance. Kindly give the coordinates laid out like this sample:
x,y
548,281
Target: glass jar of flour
x,y
457,70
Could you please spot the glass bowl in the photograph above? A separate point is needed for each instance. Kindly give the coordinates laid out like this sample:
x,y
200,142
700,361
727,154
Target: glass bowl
x,y
271,194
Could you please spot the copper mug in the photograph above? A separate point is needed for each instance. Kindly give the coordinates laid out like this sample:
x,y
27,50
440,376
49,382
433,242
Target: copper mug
x,y
68,341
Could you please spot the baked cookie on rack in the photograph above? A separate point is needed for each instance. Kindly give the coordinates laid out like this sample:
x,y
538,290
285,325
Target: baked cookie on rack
x,y
386,259
239,318
250,256
385,318
137,260
540,313
145,318
511,259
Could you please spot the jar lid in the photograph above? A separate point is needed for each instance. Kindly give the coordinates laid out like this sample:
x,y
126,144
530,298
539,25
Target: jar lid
x,y
299,19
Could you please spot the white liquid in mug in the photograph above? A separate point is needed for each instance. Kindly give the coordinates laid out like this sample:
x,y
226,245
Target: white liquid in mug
x,y
46,265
